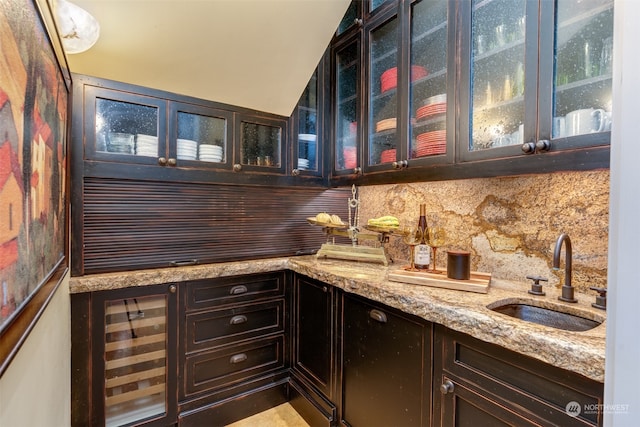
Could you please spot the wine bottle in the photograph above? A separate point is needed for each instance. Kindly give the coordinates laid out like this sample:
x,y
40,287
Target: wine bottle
x,y
422,253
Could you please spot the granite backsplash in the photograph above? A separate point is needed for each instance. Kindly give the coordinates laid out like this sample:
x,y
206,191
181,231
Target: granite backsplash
x,y
509,224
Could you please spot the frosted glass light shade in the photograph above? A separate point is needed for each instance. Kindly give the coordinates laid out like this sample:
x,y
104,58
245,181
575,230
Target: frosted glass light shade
x,y
79,30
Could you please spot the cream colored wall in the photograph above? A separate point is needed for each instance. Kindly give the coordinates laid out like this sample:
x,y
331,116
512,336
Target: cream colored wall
x,y
35,391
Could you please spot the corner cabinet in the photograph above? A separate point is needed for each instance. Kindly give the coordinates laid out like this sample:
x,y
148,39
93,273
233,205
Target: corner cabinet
x,y
438,89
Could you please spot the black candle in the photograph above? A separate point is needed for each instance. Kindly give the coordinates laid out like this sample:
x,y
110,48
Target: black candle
x,y
458,265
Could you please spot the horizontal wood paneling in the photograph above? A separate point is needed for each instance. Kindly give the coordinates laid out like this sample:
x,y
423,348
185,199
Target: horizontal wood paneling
x,y
136,224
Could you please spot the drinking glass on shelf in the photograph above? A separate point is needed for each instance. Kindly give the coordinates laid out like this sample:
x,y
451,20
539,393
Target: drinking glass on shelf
x,y
436,240
412,239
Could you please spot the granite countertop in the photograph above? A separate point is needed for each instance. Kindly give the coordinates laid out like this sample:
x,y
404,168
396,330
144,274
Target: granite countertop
x,y
467,312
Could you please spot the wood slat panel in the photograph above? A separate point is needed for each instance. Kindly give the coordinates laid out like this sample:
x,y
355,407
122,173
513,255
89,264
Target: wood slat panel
x,y
135,342
137,224
133,395
135,377
132,360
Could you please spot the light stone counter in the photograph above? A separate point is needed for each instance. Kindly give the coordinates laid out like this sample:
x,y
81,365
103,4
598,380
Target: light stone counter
x,y
467,312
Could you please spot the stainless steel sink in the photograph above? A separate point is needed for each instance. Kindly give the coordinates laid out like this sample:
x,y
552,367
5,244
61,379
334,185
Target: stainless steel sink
x,y
547,316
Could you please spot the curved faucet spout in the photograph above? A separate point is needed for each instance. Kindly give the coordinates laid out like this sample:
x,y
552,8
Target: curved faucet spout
x,y
567,288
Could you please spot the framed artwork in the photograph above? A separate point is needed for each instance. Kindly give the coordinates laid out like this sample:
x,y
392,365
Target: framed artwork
x,y
34,94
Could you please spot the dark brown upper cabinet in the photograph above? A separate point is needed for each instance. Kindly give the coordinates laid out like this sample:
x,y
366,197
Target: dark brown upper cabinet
x,y
438,89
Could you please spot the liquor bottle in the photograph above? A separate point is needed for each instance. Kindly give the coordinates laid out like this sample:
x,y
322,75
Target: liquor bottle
x,y
422,253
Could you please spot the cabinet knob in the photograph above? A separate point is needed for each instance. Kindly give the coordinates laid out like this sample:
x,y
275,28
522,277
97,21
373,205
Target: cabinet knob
x,y
447,387
543,145
295,172
237,167
172,162
357,171
357,21
173,289
400,165
162,161
528,148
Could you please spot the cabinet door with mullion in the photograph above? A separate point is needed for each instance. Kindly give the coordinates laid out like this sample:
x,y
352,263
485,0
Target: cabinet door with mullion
x,y
260,144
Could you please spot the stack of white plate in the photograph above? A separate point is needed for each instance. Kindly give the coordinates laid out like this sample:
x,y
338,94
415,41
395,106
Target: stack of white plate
x,y
187,149
210,153
120,143
303,164
146,145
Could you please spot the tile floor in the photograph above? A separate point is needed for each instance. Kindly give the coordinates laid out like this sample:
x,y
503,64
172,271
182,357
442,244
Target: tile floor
x,y
280,416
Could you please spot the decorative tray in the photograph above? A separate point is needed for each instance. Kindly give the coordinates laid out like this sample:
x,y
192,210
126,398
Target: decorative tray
x,y
479,282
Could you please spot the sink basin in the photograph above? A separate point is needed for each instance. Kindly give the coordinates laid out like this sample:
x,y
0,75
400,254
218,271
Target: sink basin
x,y
546,316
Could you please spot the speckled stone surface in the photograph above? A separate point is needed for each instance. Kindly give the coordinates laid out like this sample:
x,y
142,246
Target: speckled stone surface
x,y
467,312
509,224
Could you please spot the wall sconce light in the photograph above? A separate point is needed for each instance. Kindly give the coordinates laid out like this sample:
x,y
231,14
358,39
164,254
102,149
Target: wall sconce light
x,y
78,29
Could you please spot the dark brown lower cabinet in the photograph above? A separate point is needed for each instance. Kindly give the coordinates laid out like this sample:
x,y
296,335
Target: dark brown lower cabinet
x,y
314,348
124,357
386,366
234,347
480,384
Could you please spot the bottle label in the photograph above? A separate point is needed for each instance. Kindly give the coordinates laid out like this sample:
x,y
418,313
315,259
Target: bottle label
x,y
422,256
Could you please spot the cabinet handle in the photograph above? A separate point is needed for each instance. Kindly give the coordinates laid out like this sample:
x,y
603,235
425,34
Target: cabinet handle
x,y
183,263
447,387
238,358
528,148
400,165
237,167
237,320
295,172
162,161
543,145
172,161
173,289
378,316
237,290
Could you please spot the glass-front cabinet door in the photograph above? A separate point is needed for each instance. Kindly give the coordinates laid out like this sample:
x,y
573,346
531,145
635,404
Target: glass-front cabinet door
x,y
431,116
536,85
583,48
136,374
383,96
261,145
503,58
201,135
308,122
124,127
347,100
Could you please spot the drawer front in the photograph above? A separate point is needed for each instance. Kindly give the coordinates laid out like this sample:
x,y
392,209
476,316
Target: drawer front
x,y
207,371
210,293
205,330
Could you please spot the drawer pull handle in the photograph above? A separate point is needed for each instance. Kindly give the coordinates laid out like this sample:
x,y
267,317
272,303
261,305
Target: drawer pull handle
x,y
237,290
236,320
238,358
378,316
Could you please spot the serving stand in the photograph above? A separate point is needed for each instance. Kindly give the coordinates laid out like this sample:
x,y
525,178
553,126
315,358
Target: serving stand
x,y
354,251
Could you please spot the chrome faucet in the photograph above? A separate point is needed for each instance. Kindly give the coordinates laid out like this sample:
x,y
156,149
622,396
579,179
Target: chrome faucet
x,y
567,288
